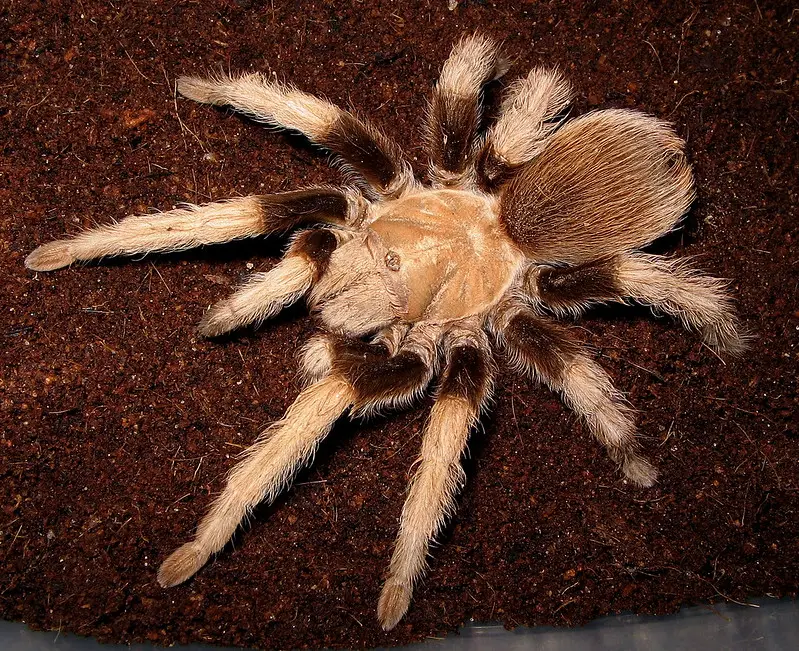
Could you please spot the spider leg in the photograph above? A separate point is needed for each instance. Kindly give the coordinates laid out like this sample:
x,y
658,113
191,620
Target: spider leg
x,y
546,350
265,470
317,354
363,147
265,294
671,286
212,223
358,375
454,113
389,373
382,379
465,388
528,116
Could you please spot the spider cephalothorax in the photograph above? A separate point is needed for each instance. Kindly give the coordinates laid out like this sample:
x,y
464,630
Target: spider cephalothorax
x,y
421,284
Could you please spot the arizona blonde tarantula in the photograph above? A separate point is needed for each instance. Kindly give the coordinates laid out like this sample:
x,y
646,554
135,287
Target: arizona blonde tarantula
x,y
535,219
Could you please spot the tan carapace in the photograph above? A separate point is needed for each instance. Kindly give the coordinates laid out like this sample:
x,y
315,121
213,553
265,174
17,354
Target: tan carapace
x,y
537,218
440,254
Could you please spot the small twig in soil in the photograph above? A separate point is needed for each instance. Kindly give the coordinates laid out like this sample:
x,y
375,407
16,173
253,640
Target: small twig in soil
x,y
357,621
137,67
721,594
714,353
16,535
766,460
657,499
564,604
567,588
180,499
743,513
660,63
183,127
654,374
682,99
668,433
515,421
197,469
39,103
715,612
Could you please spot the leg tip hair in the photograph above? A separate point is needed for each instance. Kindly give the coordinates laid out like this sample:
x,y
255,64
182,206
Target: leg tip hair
x,y
394,602
197,89
217,321
50,256
639,471
181,565
727,337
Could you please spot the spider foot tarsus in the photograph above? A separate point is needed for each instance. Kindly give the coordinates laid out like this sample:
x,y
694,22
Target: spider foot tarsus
x,y
727,336
395,599
200,90
181,565
219,320
50,256
639,471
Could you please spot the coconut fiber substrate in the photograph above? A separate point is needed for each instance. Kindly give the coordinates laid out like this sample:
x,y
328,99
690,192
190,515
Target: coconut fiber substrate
x,y
119,423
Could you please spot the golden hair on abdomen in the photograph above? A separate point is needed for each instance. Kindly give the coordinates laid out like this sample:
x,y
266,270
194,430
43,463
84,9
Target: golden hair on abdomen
x,y
608,182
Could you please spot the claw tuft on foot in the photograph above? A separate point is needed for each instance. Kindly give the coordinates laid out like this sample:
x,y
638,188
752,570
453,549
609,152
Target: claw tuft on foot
x,y
640,472
393,604
219,320
199,90
50,256
181,565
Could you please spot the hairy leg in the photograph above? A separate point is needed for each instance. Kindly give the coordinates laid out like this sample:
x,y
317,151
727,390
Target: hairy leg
x,y
389,373
547,350
465,387
454,113
670,286
358,374
267,468
265,294
317,355
362,147
528,117
192,226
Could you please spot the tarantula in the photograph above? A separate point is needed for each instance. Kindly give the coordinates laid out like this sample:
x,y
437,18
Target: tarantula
x,y
536,218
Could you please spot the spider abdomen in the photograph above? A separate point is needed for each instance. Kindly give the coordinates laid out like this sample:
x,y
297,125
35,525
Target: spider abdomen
x,y
608,182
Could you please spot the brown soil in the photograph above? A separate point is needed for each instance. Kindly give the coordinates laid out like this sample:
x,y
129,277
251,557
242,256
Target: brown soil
x,y
118,424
